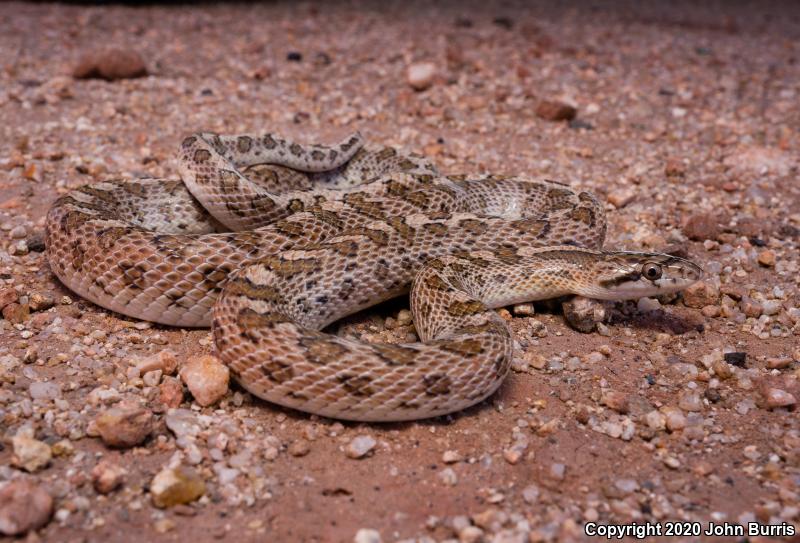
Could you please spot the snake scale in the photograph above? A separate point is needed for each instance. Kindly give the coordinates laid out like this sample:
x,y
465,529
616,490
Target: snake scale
x,y
269,241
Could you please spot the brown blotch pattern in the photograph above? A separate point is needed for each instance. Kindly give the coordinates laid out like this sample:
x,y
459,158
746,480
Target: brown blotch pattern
x,y
357,385
242,286
468,347
249,321
437,283
287,268
202,155
268,141
395,355
437,384
462,309
584,215
323,351
244,144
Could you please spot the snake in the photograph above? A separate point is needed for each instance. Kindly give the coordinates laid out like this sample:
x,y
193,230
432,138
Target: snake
x,y
269,241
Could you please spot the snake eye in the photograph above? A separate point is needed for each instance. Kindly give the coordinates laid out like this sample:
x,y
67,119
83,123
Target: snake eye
x,y
651,271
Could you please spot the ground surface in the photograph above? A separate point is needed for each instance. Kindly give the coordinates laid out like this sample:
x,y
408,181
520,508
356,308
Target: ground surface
x,y
687,122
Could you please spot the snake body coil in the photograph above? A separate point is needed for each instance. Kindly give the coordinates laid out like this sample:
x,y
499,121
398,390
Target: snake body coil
x,y
273,240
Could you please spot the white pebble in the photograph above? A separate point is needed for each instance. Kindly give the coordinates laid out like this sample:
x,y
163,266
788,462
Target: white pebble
x,y
360,446
420,75
367,535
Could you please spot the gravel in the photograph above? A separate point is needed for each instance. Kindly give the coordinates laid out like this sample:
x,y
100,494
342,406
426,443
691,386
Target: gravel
x,y
683,407
172,487
360,446
124,426
24,506
206,378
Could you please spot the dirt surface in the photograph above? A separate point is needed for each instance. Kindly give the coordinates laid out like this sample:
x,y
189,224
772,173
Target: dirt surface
x,y
686,120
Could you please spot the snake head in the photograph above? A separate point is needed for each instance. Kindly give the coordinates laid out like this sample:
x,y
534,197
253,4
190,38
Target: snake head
x,y
631,275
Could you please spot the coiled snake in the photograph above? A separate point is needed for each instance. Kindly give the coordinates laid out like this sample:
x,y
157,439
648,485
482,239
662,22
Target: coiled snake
x,y
269,241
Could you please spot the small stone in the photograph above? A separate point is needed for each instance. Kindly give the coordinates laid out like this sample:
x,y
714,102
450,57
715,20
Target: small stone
x,y
737,359
535,360
524,310
722,369
779,363
124,426
770,307
555,110
8,296
557,471
626,486
16,313
674,418
490,519
690,401
367,535
616,401
751,307
18,232
703,468
40,302
20,248
713,395
655,421
621,198
645,305
170,392
163,360
530,494
207,379
152,378
451,457
30,454
470,534
513,455
107,477
777,397
711,311
294,56
671,462
24,506
448,477
519,365
36,243
766,258
164,525
751,453
584,314
702,226
111,64
761,160
31,355
404,317
360,446
700,295
674,167
176,486
40,390
537,328
182,422
420,75
300,447
62,448
593,358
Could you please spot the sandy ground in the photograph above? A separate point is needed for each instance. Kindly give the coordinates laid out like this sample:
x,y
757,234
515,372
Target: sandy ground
x,y
687,123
